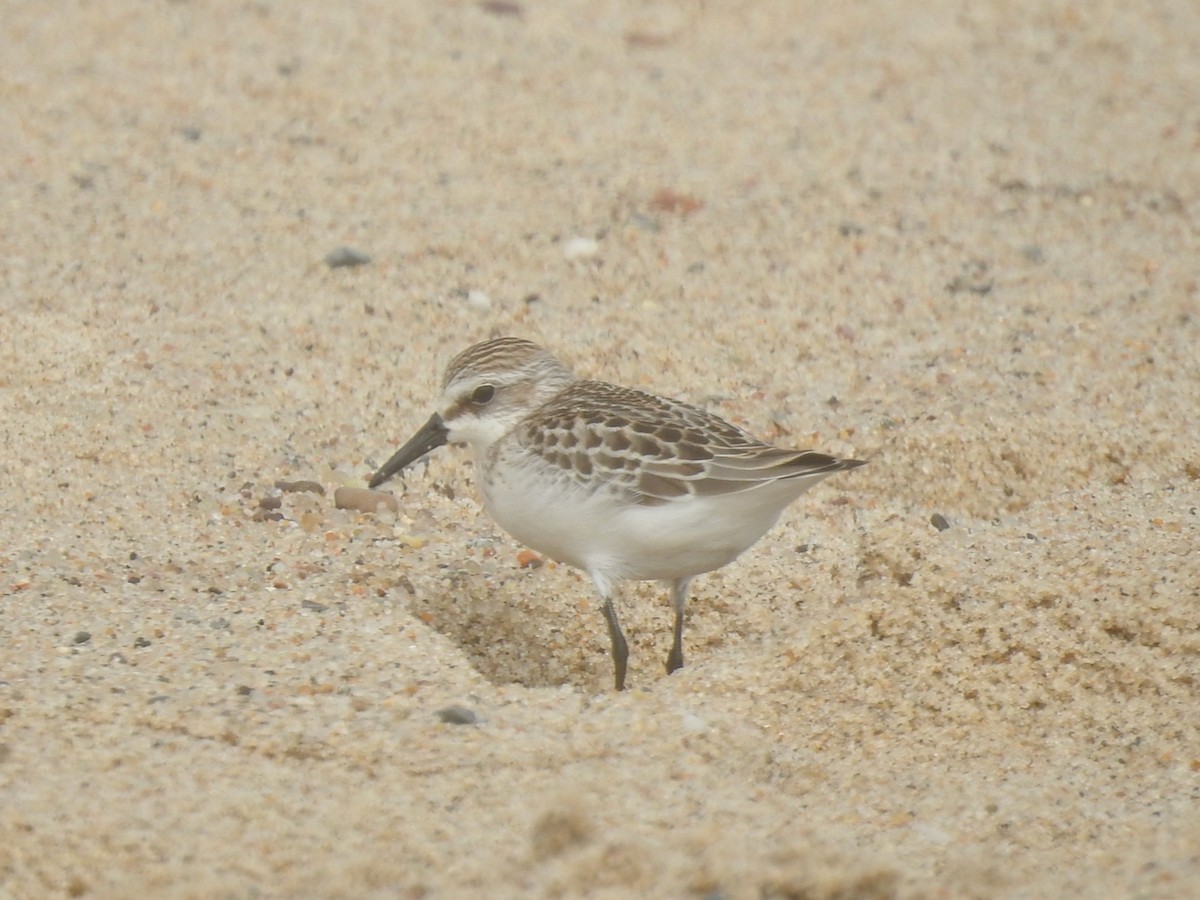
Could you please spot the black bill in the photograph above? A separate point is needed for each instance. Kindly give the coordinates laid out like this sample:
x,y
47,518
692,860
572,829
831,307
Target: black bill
x,y
431,436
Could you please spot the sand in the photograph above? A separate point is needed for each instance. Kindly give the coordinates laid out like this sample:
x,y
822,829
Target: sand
x,y
957,240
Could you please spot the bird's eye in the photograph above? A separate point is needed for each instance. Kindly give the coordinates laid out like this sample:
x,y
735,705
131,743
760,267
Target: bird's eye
x,y
483,394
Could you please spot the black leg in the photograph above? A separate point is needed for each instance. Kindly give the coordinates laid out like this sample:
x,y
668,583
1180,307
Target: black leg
x,y
620,649
675,657
679,592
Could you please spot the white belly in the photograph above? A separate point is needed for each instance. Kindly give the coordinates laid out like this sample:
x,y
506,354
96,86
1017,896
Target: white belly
x,y
600,532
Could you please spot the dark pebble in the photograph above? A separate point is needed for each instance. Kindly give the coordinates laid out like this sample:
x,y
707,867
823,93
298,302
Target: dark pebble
x,y
346,256
244,690
314,605
141,643
938,521
457,715
82,637
503,8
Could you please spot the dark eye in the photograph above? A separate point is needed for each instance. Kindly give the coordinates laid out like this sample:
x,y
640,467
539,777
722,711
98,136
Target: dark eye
x,y
483,394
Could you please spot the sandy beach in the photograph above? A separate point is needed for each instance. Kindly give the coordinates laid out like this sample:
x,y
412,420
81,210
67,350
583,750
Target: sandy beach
x,y
959,241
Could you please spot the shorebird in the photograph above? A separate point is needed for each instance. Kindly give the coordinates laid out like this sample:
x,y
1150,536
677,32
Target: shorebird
x,y
617,482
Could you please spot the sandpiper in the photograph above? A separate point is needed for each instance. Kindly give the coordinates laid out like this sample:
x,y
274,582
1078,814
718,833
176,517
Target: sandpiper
x,y
617,482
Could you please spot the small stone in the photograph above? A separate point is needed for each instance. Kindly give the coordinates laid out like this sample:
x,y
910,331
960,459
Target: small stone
x,y
503,8
938,521
314,605
364,499
82,637
671,201
457,715
478,301
580,248
527,559
141,643
344,257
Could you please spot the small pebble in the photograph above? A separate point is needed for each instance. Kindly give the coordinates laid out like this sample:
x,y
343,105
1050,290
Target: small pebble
x,y
672,201
141,643
938,521
364,499
346,256
314,605
457,715
301,487
527,559
502,8
478,300
578,248
82,637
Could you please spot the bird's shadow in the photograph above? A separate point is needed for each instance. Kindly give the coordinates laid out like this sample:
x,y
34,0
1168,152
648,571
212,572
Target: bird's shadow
x,y
543,627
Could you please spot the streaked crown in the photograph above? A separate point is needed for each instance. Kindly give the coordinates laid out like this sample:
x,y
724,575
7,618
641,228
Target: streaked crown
x,y
491,386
